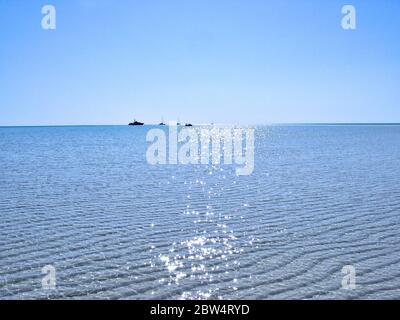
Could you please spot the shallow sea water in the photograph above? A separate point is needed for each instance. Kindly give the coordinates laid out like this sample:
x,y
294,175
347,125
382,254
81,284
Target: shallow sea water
x,y
85,200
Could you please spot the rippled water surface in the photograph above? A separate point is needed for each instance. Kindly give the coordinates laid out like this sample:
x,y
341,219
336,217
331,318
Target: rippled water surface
x,y
84,200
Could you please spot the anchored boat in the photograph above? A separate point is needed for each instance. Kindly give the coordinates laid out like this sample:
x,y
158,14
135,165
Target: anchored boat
x,y
136,123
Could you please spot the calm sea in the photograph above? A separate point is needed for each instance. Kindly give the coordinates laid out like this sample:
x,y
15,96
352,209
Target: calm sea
x,y
84,200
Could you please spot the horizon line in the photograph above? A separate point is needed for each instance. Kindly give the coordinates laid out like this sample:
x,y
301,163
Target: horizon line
x,y
206,124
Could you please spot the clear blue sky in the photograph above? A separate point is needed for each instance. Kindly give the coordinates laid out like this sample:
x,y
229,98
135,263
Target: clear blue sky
x,y
230,61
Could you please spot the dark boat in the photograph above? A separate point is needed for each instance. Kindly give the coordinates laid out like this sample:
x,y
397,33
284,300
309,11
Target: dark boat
x,y
188,125
136,123
162,122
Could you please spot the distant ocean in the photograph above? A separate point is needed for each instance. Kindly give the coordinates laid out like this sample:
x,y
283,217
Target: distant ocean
x,y
85,200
